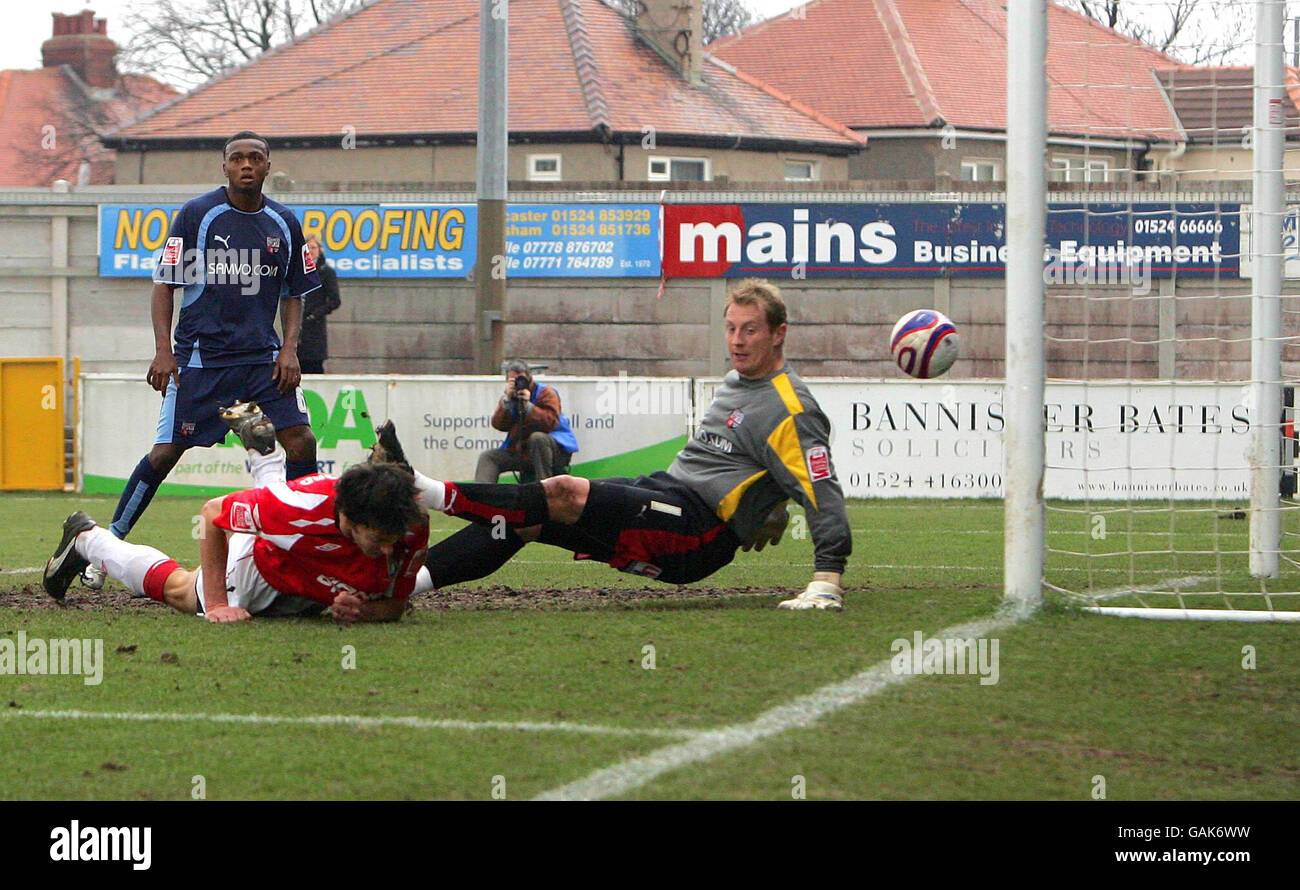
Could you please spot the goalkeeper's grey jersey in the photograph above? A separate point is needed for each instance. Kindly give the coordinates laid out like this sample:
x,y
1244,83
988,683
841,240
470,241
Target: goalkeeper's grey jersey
x,y
764,440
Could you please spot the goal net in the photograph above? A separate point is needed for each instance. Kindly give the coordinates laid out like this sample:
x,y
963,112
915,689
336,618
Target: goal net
x,y
1170,318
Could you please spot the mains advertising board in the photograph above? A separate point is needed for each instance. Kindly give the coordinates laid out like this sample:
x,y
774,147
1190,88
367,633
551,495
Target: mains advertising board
x,y
1100,242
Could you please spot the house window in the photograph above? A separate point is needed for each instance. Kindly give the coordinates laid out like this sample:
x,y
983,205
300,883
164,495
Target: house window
x,y
544,168
979,170
1075,168
679,170
800,171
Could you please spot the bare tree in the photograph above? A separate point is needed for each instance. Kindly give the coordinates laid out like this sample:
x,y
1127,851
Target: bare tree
x,y
73,117
721,17
190,41
1198,32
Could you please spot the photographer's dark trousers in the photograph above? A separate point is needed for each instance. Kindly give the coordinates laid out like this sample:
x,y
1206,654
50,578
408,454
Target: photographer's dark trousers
x,y
544,458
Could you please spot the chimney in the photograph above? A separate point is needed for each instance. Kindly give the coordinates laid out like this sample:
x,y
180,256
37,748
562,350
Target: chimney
x,y
81,41
675,28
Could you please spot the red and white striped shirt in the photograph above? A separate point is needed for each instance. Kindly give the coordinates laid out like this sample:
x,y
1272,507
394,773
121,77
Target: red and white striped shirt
x,y
300,550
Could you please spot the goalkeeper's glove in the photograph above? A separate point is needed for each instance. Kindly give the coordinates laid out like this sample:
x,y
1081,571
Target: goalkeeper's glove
x,y
817,595
771,530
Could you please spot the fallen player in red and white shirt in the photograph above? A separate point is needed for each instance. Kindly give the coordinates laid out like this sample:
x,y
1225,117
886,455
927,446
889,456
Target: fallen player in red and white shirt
x,y
353,544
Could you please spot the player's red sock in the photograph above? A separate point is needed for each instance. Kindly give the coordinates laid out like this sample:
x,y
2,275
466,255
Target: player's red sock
x,y
518,505
156,578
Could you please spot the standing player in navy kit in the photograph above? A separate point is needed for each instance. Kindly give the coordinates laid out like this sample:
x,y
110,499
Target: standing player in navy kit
x,y
237,257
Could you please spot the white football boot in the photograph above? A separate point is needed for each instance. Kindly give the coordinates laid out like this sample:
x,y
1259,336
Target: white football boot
x,y
92,577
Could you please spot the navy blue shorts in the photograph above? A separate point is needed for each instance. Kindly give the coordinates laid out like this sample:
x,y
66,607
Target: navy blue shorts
x,y
190,414
651,526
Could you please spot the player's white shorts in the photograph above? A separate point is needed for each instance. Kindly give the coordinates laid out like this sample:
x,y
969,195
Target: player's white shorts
x,y
245,586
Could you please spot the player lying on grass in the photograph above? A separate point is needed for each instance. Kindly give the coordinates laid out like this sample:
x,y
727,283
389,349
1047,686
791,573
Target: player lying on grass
x,y
353,544
763,441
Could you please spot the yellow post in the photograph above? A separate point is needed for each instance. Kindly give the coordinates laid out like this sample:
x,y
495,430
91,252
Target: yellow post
x,y
31,423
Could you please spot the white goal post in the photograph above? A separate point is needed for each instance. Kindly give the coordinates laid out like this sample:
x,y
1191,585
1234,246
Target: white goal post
x,y
1176,558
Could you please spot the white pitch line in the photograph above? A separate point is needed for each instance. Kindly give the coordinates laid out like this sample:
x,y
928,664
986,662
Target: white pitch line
x,y
20,571
803,711
1168,585
353,720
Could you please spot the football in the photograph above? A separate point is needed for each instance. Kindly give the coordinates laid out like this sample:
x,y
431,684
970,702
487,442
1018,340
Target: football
x,y
924,343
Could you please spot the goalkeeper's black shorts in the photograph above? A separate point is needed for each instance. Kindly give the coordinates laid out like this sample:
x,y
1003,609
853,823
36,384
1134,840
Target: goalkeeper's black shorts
x,y
652,526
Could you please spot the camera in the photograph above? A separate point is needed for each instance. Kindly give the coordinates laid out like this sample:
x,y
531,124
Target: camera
x,y
521,382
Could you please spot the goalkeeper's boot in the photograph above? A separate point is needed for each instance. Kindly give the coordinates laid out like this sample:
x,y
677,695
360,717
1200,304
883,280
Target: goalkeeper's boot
x,y
253,427
66,563
92,577
387,450
817,595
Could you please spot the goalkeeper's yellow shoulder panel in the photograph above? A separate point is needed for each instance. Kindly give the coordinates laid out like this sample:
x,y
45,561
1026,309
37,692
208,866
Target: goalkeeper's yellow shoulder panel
x,y
785,389
784,440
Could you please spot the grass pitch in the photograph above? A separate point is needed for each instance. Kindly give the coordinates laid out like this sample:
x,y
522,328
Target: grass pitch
x,y
540,676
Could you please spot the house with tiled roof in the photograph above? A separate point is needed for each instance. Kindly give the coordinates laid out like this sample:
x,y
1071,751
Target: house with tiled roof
x,y
925,81
1215,108
388,93
51,117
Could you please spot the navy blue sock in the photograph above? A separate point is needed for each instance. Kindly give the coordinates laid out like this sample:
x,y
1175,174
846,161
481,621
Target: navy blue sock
x,y
135,498
295,468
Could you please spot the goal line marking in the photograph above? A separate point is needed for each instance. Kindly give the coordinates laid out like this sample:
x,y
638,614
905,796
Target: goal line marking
x,y
352,720
801,712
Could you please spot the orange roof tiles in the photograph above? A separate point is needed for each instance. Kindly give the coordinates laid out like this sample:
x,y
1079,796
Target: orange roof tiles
x,y
925,63
1217,105
410,68
33,101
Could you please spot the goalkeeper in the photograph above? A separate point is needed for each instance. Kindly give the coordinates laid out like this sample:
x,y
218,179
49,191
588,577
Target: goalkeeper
x,y
763,442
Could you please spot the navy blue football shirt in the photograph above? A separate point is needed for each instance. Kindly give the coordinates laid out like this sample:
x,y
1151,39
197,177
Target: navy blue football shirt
x,y
234,268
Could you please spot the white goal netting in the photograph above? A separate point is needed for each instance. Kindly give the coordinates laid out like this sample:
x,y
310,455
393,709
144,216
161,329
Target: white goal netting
x,y
1171,322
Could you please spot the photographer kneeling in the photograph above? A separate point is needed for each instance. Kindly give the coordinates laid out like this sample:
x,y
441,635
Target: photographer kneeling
x,y
538,437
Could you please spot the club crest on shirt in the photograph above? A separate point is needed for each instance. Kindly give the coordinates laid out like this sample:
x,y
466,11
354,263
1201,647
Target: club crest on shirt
x,y
308,261
819,463
187,427
735,419
272,244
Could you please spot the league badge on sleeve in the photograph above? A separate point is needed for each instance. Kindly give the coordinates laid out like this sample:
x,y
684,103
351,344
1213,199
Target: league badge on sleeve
x,y
171,254
242,518
819,463
308,261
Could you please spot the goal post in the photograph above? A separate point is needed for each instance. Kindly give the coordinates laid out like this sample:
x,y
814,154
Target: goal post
x,y
1177,507
1268,207
1025,519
